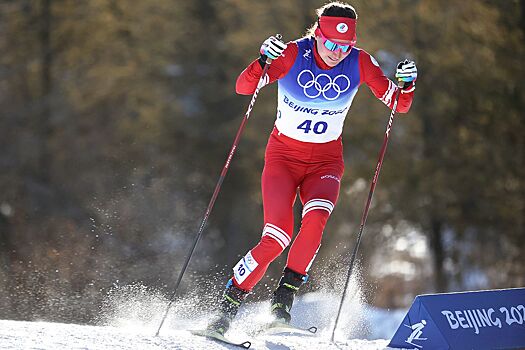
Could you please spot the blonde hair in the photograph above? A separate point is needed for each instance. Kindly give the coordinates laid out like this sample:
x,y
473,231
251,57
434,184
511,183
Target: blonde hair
x,y
332,9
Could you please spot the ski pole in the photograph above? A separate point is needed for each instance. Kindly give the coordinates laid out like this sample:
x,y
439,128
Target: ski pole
x,y
367,206
260,84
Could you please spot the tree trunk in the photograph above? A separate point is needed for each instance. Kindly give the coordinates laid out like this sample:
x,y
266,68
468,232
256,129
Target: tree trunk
x,y
438,257
46,87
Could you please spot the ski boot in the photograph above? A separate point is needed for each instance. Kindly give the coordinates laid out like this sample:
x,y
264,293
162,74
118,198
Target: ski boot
x,y
283,296
231,301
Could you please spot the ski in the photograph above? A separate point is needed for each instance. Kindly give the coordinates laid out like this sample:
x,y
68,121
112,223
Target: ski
x,y
220,338
281,327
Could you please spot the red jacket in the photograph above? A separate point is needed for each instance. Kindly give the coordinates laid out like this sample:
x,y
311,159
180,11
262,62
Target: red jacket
x,y
369,69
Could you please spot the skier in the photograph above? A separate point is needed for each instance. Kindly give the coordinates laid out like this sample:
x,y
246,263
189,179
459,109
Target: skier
x,y
318,76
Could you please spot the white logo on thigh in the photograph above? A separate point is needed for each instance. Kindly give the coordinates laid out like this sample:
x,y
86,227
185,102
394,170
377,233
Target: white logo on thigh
x,y
333,177
244,267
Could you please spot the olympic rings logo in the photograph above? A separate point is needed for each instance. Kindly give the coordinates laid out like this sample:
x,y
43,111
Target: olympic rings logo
x,y
313,86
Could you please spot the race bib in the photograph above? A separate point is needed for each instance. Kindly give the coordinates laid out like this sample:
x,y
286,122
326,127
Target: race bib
x,y
244,267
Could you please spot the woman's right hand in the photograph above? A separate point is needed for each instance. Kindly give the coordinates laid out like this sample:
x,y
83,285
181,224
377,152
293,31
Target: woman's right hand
x,y
272,47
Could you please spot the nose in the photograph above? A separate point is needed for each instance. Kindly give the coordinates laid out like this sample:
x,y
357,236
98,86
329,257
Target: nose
x,y
339,53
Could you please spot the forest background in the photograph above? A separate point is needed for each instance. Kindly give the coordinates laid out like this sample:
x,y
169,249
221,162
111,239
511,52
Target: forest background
x,y
116,118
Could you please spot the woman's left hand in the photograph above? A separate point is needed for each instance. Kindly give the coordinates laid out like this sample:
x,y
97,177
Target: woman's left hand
x,y
406,71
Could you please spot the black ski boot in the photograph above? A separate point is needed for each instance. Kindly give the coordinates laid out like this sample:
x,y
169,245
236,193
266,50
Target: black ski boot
x,y
283,296
231,301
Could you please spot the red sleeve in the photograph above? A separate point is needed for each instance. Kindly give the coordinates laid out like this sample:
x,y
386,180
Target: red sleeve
x,y
382,87
248,79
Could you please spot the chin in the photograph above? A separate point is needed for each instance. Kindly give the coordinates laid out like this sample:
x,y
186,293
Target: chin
x,y
331,62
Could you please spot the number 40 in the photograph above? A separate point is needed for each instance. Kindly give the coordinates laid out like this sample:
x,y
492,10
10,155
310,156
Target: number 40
x,y
319,127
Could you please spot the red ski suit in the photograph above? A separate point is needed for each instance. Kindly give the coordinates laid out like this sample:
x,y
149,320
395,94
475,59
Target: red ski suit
x,y
314,168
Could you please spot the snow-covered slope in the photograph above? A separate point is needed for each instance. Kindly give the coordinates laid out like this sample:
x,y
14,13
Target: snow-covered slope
x,y
127,328
57,336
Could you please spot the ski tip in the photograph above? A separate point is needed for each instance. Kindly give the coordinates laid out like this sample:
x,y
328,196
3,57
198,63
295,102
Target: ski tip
x,y
312,330
246,344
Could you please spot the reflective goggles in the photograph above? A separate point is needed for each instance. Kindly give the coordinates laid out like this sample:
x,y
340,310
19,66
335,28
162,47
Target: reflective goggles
x,y
330,45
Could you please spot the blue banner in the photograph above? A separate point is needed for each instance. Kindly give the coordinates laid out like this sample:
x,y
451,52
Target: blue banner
x,y
492,319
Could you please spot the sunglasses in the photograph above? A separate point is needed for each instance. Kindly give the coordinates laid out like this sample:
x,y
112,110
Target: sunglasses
x,y
330,45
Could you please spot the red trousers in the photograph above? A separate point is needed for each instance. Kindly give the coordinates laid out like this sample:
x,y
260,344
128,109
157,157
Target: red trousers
x,y
315,169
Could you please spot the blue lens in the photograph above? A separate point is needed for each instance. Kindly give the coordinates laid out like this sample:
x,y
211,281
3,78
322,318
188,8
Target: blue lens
x,y
344,48
333,46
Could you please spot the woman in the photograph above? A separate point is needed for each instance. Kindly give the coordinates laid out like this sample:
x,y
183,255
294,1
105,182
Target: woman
x,y
318,77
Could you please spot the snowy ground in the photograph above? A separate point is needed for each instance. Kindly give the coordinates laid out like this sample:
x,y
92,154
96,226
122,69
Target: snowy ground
x,y
132,333
56,336
127,326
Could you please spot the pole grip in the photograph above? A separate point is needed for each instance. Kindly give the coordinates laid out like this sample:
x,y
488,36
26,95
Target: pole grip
x,y
403,84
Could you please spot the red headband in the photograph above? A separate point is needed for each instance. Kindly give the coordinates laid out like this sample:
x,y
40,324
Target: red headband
x,y
338,28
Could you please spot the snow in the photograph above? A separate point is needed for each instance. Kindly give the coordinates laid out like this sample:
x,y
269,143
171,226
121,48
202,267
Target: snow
x,y
58,336
361,327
